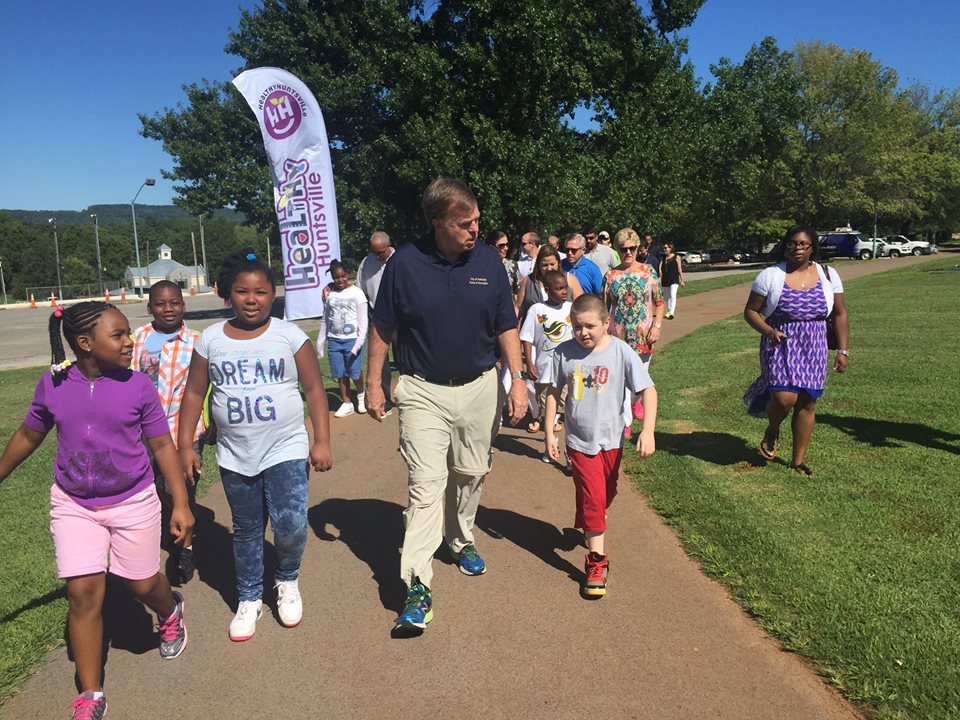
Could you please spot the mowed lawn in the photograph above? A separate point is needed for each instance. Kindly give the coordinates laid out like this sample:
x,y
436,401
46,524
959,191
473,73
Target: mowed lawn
x,y
858,568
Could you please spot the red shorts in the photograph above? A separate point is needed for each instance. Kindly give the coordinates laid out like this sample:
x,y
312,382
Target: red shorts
x,y
595,478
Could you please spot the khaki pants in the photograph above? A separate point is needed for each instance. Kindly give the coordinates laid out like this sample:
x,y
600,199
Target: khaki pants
x,y
446,435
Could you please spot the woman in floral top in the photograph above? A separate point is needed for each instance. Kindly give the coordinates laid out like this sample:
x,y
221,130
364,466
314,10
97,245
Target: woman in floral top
x,y
632,291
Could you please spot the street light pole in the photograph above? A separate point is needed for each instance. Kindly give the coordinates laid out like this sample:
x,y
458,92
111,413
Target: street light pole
x,y
96,235
203,251
56,247
3,283
136,242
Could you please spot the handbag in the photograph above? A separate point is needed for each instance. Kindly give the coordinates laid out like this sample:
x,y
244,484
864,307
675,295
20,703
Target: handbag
x,y
832,342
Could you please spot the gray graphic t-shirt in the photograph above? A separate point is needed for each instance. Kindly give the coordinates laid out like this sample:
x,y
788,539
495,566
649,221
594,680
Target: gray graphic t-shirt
x,y
596,384
256,398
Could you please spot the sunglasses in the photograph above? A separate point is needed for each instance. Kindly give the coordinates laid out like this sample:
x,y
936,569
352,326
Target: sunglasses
x,y
629,249
500,246
570,250
799,246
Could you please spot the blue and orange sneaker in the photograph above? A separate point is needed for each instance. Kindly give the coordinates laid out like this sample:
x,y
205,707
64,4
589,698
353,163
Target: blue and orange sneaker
x,y
417,611
469,562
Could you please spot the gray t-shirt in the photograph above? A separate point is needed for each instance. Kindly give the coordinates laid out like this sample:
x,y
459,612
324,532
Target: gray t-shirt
x,y
596,384
256,398
604,258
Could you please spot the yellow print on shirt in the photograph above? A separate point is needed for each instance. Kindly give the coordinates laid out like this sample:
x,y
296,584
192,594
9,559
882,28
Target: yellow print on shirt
x,y
592,378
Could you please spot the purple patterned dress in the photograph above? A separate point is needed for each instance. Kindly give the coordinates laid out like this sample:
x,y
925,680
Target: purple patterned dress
x,y
797,364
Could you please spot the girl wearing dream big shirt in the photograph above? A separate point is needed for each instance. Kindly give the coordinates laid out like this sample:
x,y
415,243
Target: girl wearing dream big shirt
x,y
254,364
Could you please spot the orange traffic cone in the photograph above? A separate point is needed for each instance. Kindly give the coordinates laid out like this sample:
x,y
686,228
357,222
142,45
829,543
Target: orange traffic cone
x,y
123,294
33,303
193,291
215,291
53,300
106,294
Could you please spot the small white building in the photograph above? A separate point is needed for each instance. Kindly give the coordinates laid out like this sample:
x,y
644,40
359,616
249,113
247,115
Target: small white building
x,y
166,268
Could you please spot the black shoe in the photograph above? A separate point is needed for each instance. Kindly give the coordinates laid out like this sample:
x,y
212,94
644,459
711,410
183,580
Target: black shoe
x,y
186,565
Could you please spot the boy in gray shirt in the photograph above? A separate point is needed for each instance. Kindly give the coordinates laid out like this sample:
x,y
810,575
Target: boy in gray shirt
x,y
596,369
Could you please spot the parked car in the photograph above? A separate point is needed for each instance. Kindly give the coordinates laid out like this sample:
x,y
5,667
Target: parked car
x,y
690,257
882,248
844,242
704,254
898,245
722,255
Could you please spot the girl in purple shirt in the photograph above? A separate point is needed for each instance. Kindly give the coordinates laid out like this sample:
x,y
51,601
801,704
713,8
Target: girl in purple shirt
x,y
105,513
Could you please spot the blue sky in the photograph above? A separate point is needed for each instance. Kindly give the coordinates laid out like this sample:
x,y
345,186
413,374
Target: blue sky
x,y
76,75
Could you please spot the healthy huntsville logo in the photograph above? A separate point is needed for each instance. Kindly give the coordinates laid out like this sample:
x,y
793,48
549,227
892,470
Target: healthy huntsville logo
x,y
283,110
302,214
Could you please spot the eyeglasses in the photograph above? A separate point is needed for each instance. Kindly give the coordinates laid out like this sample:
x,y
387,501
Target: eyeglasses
x,y
799,246
501,246
571,250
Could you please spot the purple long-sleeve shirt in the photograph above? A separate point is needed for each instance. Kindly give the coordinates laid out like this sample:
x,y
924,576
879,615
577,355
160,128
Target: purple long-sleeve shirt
x,y
101,459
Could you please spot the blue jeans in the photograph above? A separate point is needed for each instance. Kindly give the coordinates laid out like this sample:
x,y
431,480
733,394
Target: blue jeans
x,y
284,486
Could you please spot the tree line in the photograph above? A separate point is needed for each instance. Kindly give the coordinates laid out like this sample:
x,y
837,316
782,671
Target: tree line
x,y
28,255
484,90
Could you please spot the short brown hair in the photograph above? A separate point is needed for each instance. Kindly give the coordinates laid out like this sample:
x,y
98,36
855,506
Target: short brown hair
x,y
444,195
589,303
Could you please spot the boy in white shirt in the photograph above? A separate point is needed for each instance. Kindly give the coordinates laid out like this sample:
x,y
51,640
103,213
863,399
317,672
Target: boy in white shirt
x,y
547,325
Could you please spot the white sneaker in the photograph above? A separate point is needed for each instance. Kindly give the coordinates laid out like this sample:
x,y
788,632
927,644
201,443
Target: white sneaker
x,y
289,604
244,623
344,410
361,408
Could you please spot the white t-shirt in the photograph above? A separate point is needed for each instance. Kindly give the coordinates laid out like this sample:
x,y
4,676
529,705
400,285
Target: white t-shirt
x,y
546,327
369,275
344,318
255,399
596,384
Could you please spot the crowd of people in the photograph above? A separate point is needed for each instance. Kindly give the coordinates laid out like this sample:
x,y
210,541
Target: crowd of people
x,y
562,334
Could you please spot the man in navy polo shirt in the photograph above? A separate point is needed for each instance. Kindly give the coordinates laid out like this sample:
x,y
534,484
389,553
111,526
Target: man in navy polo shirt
x,y
448,300
583,268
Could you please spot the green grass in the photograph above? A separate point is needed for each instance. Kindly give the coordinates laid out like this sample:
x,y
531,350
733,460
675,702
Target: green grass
x,y
858,568
693,287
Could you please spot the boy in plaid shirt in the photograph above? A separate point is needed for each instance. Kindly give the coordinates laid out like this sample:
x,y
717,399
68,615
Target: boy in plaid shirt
x,y
162,350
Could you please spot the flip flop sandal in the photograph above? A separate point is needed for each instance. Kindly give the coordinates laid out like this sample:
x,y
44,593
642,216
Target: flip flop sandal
x,y
802,469
534,427
766,450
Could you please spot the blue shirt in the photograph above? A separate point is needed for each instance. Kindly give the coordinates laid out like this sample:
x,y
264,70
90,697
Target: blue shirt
x,y
447,316
587,272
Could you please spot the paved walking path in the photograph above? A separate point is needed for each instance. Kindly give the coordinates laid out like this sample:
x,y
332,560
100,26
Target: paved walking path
x,y
517,642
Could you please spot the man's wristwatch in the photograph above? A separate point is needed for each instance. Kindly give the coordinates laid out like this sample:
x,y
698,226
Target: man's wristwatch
x,y
516,375
658,325
845,353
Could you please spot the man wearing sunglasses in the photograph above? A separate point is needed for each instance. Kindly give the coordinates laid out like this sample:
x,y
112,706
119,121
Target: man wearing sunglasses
x,y
583,268
601,255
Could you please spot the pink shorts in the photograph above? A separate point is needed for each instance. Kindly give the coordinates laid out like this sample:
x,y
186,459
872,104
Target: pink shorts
x,y
595,479
124,538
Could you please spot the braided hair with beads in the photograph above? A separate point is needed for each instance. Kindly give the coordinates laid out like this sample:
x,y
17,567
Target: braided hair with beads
x,y
79,319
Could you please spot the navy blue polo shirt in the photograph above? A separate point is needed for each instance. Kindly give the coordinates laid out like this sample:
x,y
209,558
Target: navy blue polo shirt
x,y
447,316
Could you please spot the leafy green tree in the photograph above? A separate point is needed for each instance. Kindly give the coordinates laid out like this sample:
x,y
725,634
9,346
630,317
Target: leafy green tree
x,y
479,90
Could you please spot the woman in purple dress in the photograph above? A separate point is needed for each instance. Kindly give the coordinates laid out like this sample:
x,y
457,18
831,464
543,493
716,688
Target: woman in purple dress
x,y
789,305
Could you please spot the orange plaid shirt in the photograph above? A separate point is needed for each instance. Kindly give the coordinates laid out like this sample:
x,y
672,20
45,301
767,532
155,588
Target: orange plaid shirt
x,y
172,378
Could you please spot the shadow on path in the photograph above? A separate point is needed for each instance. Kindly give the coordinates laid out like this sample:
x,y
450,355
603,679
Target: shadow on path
x,y
516,446
885,433
373,530
537,537
714,447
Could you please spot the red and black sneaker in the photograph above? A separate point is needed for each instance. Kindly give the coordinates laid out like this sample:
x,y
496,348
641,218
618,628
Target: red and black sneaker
x,y
596,569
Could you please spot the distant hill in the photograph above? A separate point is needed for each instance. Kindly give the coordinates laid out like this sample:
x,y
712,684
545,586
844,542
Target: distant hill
x,y
112,214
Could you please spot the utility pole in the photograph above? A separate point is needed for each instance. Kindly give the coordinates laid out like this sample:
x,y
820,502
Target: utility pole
x,y
56,247
203,250
269,264
196,268
96,234
3,283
